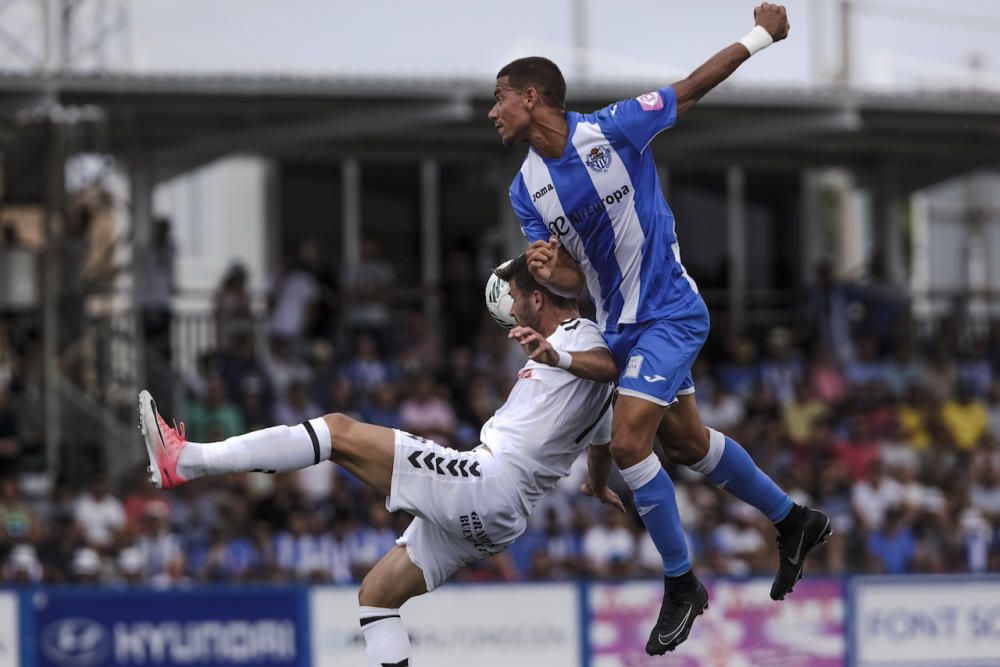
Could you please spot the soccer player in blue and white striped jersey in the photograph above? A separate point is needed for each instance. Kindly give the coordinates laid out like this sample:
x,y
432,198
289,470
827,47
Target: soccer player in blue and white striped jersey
x,y
590,203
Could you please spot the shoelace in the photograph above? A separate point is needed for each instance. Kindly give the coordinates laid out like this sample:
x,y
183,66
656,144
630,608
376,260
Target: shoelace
x,y
179,430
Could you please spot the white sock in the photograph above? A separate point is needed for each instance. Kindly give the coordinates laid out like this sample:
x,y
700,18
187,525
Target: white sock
x,y
386,641
275,449
642,472
716,446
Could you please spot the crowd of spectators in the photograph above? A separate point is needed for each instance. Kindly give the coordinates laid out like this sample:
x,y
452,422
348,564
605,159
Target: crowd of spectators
x,y
897,441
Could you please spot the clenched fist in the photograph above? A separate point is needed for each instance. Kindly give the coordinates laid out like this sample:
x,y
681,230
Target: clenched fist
x,y
772,18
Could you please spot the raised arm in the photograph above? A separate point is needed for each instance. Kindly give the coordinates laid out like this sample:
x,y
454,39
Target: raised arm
x,y
771,26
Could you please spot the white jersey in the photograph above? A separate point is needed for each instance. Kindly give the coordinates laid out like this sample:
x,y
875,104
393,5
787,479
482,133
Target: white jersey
x,y
550,417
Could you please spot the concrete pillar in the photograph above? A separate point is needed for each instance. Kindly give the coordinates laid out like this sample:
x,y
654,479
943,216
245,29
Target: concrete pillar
x,y
350,179
430,239
814,242
141,213
736,245
54,200
886,224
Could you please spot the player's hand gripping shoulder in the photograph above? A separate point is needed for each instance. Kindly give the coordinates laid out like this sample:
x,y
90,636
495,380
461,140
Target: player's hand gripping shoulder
x,y
597,364
556,270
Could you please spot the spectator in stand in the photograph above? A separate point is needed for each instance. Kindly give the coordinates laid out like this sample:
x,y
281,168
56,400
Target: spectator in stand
x,y
463,300
214,412
426,413
295,294
20,279
800,415
724,412
18,523
22,567
740,539
418,347
782,370
740,374
86,566
156,544
285,367
892,546
965,417
367,287
100,515
859,448
366,370
233,308
827,311
383,408
993,410
913,416
875,496
371,540
154,267
609,546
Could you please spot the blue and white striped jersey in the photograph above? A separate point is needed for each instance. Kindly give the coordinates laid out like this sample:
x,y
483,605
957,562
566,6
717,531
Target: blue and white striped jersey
x,y
602,198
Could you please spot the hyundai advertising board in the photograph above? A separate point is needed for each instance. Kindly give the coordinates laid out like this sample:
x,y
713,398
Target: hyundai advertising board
x,y
93,628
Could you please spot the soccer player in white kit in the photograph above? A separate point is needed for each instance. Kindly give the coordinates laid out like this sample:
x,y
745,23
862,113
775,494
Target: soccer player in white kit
x,y
466,505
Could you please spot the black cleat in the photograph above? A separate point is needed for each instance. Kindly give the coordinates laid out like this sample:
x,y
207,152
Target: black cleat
x,y
812,527
682,603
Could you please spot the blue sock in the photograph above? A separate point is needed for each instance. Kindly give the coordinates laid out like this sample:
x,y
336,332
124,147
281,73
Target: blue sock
x,y
654,498
729,466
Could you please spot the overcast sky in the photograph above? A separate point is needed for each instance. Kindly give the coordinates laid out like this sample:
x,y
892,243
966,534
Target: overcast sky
x,y
904,43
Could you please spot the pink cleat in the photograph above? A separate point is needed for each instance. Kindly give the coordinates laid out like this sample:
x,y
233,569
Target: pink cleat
x,y
163,444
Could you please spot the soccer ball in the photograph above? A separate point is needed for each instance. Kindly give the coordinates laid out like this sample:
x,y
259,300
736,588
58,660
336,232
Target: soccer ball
x,y
499,300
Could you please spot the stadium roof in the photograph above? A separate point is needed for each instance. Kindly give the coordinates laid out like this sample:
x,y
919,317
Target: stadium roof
x,y
180,122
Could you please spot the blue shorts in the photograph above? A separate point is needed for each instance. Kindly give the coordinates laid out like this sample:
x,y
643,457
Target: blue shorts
x,y
655,358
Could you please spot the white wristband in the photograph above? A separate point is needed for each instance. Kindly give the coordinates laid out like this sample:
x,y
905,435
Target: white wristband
x,y
757,39
565,360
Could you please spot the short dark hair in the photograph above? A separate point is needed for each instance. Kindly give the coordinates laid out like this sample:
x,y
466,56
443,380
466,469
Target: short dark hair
x,y
541,73
517,273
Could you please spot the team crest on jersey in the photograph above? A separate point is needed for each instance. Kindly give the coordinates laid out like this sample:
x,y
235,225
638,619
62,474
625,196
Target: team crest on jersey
x,y
634,365
599,158
650,101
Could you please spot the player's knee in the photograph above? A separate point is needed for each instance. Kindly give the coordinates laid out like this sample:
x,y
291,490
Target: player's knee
x,y
367,596
629,448
340,426
373,593
688,448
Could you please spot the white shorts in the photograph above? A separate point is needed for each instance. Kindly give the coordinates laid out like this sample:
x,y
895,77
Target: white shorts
x,y
462,503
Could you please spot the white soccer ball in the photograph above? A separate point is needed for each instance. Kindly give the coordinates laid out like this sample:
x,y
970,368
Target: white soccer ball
x,y
499,300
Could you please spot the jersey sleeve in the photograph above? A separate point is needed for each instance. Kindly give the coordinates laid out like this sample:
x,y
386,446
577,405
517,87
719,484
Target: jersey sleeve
x,y
531,223
588,337
602,432
642,118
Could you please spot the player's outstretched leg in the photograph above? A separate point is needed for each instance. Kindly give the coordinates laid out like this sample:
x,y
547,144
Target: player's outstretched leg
x,y
173,460
684,597
364,450
726,463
